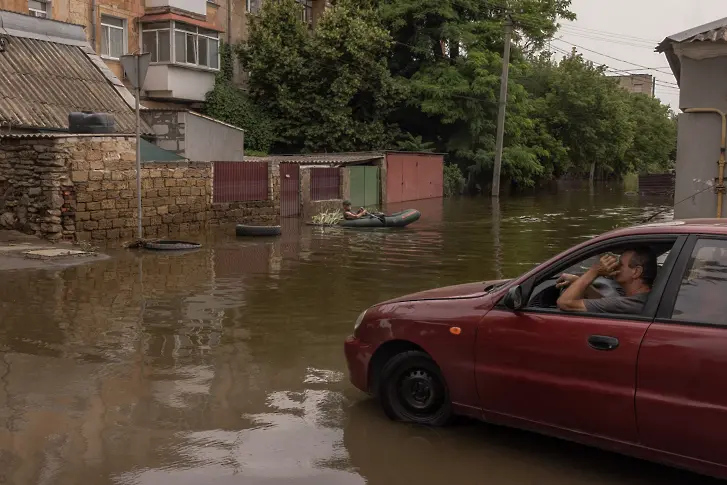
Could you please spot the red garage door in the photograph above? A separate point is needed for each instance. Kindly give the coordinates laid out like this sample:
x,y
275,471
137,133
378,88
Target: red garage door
x,y
413,176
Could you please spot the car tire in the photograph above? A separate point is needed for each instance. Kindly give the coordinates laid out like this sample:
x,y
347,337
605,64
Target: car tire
x,y
413,390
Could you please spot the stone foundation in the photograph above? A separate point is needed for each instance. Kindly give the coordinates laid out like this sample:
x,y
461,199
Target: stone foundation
x,y
84,187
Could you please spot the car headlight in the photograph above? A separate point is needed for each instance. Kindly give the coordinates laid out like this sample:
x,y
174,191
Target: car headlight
x,y
359,320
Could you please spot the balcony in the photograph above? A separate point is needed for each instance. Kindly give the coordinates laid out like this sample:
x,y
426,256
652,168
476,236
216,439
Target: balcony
x,y
184,57
194,6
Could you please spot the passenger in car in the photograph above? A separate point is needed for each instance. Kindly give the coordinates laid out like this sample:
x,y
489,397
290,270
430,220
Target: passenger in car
x,y
635,271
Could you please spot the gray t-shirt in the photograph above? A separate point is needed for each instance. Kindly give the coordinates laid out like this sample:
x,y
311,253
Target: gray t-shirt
x,y
619,305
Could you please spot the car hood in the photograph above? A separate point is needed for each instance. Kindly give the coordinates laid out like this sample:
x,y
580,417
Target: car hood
x,y
468,290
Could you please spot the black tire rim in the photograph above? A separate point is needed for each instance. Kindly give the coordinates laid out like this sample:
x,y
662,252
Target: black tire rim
x,y
420,392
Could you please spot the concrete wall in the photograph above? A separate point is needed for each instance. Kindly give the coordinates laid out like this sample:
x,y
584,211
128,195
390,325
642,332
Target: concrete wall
x,y
696,166
169,128
699,136
211,141
84,187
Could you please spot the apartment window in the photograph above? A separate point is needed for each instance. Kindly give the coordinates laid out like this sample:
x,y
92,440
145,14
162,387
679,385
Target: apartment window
x,y
196,46
156,40
113,37
39,8
307,13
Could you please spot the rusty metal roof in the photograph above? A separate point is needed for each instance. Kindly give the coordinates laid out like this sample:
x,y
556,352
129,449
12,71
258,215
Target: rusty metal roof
x,y
44,77
321,158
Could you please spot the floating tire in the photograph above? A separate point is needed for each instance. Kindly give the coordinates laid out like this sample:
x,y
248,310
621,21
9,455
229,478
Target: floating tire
x,y
171,245
257,231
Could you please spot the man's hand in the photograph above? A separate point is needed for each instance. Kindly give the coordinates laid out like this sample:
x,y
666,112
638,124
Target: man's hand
x,y
607,266
565,280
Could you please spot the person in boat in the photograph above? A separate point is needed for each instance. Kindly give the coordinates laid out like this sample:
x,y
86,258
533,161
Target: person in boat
x,y
350,215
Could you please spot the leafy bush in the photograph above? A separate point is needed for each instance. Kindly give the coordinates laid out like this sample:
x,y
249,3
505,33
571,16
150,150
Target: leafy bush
x,y
453,180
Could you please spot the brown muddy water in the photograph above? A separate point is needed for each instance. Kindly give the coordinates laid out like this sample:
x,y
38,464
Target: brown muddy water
x,y
225,365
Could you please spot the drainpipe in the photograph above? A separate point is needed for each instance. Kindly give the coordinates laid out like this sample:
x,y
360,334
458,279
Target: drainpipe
x,y
229,22
722,148
93,25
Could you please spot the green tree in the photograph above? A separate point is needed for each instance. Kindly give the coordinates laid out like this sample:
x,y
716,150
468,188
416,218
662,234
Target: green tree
x,y
231,104
586,111
655,136
326,90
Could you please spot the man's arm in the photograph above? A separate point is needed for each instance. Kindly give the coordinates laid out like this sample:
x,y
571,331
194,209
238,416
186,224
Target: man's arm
x,y
572,298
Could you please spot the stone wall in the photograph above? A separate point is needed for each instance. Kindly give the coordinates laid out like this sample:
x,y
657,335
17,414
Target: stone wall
x,y
84,187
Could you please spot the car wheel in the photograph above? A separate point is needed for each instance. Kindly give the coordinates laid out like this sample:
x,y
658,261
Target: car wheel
x,y
412,389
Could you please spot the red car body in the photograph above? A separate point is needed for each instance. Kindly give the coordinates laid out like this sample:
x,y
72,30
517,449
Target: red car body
x,y
660,395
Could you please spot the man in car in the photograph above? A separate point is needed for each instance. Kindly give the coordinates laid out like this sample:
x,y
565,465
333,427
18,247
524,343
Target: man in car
x,y
348,213
635,271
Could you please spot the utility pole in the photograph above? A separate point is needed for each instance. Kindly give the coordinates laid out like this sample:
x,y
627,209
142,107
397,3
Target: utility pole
x,y
501,112
135,67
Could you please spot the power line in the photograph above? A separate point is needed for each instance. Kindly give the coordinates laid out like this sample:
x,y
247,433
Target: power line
x,y
611,57
609,34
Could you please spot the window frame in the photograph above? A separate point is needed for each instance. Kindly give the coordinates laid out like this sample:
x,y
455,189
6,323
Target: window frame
x,y
124,35
671,292
657,293
46,13
307,15
188,30
156,41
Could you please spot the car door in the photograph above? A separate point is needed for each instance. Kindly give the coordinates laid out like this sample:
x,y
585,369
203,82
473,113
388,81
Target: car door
x,y
681,398
572,371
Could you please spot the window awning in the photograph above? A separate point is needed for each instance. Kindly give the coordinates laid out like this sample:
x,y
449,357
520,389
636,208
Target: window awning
x,y
152,153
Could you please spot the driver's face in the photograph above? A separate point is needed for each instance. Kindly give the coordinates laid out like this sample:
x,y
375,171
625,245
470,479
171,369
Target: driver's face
x,y
625,271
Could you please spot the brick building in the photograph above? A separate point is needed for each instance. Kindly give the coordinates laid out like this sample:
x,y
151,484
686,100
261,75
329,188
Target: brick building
x,y
637,83
183,37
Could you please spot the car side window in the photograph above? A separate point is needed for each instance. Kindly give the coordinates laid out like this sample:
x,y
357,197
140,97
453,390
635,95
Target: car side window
x,y
701,294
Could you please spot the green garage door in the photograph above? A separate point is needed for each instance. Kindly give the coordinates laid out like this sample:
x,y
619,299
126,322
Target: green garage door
x,y
364,186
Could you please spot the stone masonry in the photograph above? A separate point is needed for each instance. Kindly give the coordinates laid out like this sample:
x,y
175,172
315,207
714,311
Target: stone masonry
x,y
84,187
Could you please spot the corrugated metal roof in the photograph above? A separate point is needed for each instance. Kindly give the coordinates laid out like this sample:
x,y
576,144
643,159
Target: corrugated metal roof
x,y
42,82
712,32
46,136
320,158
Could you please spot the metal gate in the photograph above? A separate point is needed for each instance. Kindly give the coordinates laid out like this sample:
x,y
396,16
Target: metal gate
x,y
289,190
364,186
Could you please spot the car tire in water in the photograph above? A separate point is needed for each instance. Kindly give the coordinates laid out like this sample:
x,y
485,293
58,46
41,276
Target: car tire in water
x,y
412,389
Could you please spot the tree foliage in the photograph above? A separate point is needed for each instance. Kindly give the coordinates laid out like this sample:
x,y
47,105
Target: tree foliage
x,y
231,104
425,75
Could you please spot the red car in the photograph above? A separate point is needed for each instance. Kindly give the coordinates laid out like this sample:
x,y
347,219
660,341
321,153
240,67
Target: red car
x,y
652,385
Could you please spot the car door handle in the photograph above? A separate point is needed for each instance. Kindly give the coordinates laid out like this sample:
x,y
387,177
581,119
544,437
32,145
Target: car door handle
x,y
600,342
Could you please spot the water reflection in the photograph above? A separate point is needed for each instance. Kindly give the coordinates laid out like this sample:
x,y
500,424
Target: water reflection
x,y
225,365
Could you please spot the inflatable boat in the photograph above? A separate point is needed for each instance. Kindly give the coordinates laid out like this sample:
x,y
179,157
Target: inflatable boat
x,y
399,219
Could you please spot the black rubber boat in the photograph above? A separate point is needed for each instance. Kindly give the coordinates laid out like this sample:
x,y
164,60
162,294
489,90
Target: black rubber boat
x,y
399,219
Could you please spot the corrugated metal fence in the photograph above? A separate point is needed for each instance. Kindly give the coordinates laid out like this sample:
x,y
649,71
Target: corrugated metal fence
x,y
657,184
240,181
325,183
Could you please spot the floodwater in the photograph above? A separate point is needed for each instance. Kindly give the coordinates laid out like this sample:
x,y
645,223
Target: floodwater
x,y
225,365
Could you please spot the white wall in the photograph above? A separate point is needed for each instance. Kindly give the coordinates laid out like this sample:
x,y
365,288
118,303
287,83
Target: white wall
x,y
195,6
170,81
207,141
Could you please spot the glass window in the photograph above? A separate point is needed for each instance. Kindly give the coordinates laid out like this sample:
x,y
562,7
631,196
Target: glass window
x,y
307,13
180,51
38,8
214,54
203,52
113,37
701,294
156,26
165,46
149,44
191,49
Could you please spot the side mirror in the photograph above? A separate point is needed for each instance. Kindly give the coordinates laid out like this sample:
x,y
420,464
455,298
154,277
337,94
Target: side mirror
x,y
514,298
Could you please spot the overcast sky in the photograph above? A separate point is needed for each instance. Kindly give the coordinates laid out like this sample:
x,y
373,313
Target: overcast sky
x,y
629,30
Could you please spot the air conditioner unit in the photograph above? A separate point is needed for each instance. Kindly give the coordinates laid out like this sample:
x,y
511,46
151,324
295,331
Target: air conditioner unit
x,y
36,13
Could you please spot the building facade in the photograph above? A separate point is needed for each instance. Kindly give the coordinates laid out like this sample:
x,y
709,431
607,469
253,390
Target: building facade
x,y
182,36
637,83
